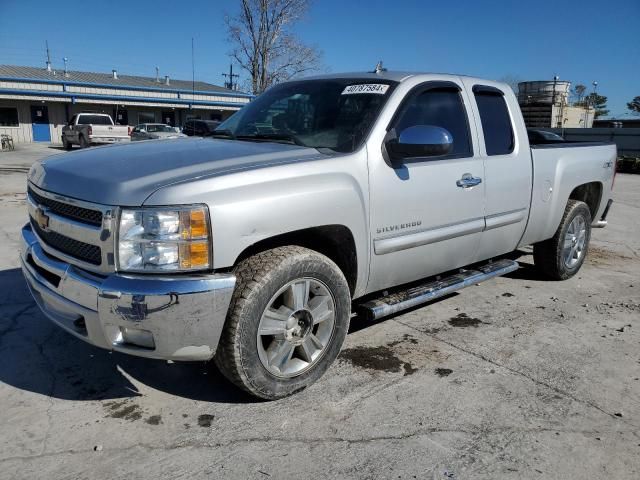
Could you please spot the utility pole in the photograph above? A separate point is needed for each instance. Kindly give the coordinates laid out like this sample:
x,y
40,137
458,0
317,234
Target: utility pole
x,y
229,83
554,119
48,56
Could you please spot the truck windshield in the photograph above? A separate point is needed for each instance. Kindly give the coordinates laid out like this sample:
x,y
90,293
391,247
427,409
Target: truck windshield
x,y
94,120
331,113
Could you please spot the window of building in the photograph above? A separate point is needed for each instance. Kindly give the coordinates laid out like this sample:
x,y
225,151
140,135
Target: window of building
x,y
146,117
9,117
496,123
441,107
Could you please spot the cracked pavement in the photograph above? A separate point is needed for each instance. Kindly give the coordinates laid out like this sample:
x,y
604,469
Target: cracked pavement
x,y
516,378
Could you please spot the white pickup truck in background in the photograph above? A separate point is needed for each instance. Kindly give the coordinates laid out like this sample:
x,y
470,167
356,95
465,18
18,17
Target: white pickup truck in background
x,y
85,129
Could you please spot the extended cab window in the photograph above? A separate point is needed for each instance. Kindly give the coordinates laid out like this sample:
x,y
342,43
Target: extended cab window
x,y
496,123
441,107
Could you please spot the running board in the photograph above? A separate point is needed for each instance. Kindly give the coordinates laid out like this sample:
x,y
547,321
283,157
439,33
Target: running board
x,y
404,299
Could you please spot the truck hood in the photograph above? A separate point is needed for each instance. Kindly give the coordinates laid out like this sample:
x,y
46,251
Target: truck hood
x,y
126,175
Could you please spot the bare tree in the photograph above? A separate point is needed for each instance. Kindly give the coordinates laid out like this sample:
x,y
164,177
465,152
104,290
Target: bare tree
x,y
512,81
264,44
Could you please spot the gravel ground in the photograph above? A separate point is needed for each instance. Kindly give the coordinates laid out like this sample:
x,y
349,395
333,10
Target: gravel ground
x,y
516,378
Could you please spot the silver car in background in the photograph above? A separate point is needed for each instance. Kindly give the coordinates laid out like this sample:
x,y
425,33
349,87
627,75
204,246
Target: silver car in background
x,y
154,131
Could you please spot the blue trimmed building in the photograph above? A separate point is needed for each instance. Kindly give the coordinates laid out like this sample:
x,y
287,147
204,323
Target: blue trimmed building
x,y
35,103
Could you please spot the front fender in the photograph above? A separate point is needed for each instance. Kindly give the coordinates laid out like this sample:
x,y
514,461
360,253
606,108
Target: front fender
x,y
252,206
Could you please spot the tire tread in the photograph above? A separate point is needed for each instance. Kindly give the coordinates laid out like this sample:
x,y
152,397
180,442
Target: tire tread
x,y
546,254
251,274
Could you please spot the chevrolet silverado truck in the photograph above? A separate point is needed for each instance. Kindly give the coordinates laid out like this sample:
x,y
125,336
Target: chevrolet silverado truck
x,y
371,192
86,129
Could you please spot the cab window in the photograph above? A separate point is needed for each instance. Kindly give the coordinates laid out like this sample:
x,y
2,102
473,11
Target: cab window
x,y
496,123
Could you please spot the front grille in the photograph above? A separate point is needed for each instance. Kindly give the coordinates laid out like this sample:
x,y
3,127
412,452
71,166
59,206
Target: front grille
x,y
80,250
84,215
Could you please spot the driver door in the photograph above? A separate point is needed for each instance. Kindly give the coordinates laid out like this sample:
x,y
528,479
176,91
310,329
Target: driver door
x,y
425,219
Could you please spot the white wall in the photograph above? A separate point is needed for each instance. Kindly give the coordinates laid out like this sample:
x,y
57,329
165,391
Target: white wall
x,y
24,133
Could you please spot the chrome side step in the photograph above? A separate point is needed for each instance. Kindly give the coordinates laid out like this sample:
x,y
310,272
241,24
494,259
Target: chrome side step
x,y
404,299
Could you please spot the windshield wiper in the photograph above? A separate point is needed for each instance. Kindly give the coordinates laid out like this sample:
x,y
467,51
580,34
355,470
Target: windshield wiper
x,y
276,137
223,133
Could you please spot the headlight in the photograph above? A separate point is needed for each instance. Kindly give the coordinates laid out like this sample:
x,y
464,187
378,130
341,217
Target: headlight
x,y
164,239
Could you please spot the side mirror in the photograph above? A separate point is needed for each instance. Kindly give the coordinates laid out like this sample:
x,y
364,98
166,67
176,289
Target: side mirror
x,y
420,141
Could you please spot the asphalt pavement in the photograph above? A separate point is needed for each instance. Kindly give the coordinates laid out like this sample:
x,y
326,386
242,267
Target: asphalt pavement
x,y
517,378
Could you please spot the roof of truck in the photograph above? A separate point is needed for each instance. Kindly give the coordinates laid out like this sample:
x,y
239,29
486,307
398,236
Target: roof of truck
x,y
399,76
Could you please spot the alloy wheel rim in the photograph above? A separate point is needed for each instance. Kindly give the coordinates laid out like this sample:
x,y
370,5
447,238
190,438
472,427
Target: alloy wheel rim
x,y
296,327
574,242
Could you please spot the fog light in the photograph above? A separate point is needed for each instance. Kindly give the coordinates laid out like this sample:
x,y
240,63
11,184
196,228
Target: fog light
x,y
137,337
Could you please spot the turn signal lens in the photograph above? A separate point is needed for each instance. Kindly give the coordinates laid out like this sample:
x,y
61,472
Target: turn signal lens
x,y
194,255
194,224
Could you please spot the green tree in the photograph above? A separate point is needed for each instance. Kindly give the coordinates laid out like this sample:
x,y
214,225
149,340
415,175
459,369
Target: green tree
x,y
634,106
597,102
578,92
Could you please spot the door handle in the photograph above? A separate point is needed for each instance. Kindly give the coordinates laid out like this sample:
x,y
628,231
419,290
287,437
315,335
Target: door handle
x,y
468,181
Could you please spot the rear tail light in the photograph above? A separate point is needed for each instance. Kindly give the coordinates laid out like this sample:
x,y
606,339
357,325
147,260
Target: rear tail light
x,y
129,131
89,130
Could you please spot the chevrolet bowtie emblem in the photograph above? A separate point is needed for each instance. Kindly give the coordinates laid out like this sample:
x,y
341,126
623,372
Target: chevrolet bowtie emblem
x,y
41,218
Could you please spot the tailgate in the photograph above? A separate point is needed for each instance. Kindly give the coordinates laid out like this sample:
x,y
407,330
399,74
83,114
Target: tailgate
x,y
109,131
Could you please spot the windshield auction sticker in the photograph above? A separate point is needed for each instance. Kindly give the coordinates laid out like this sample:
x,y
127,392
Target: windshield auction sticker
x,y
377,88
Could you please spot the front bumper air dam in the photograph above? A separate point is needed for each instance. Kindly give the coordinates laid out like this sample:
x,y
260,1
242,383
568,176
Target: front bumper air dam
x,y
166,317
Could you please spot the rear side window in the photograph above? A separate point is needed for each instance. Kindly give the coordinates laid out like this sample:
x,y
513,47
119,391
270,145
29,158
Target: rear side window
x,y
496,123
441,107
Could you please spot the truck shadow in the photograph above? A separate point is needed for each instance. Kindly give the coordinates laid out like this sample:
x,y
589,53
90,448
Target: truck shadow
x,y
39,357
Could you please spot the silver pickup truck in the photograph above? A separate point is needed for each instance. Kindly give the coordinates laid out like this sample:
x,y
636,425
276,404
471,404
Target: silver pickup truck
x,y
321,196
86,129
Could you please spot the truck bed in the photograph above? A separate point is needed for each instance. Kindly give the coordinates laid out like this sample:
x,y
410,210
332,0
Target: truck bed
x,y
558,166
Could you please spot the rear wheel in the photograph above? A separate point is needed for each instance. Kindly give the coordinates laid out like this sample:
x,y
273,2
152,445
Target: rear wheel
x,y
83,142
561,256
288,318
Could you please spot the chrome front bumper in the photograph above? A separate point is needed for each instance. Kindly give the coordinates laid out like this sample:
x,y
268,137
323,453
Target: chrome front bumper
x,y
166,317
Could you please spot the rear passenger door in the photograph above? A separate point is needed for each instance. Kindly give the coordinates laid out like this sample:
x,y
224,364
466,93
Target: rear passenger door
x,y
507,166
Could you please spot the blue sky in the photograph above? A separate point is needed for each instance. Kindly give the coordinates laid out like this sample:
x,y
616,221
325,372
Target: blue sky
x,y
579,40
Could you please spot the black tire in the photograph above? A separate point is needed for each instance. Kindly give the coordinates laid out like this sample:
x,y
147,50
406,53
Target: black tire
x,y
548,256
67,145
83,142
259,278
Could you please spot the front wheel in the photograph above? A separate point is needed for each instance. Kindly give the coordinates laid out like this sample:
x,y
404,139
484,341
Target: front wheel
x,y
288,318
561,256
66,144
